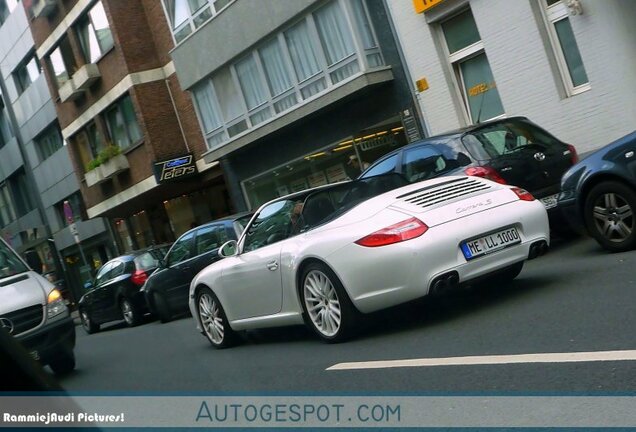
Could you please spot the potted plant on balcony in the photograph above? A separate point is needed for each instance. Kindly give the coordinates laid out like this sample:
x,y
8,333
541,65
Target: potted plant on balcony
x,y
109,161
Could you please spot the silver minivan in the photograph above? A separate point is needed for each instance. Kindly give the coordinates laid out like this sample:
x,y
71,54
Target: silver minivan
x,y
34,312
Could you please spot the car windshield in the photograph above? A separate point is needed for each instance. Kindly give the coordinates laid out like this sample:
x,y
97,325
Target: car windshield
x,y
506,137
10,263
146,261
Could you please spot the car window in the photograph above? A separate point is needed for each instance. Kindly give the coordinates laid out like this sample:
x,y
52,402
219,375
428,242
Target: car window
x,y
275,222
428,161
508,137
383,167
240,224
146,261
181,250
102,274
210,238
116,270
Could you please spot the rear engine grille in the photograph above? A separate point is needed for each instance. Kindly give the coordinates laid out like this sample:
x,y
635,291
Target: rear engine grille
x,y
445,192
24,319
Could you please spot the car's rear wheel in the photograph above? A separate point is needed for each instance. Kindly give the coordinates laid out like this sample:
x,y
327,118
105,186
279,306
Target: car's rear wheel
x,y
326,305
213,320
131,315
87,323
161,306
63,363
609,216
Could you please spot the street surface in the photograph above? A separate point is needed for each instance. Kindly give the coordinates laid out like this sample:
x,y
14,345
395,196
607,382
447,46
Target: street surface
x,y
577,298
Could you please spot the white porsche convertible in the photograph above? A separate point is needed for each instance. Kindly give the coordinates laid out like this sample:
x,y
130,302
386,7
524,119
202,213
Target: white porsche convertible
x,y
324,256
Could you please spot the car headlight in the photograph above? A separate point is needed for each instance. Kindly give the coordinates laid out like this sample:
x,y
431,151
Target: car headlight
x,y
55,304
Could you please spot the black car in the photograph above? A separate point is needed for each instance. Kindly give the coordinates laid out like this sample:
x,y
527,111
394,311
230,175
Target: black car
x,y
116,294
167,288
598,195
510,151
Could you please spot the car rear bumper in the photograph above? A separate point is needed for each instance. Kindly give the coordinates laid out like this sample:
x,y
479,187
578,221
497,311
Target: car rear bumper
x,y
48,341
380,277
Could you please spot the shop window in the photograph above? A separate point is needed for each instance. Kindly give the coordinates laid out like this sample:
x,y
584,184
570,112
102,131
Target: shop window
x,y
122,123
6,7
62,62
310,57
565,47
187,15
49,141
26,73
94,33
471,67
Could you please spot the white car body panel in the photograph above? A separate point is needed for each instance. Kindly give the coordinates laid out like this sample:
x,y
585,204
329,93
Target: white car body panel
x,y
377,277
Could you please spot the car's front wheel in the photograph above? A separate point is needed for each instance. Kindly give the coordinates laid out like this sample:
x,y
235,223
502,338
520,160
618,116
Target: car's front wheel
x,y
213,320
609,216
87,323
131,315
326,305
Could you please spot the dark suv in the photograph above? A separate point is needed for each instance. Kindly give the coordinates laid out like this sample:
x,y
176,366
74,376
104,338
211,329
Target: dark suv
x,y
512,151
115,293
167,288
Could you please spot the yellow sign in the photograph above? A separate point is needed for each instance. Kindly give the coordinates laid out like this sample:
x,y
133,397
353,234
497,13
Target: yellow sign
x,y
480,88
421,84
424,5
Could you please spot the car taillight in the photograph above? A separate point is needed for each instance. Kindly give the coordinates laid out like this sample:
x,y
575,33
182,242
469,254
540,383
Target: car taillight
x,y
523,194
573,154
485,172
405,230
139,277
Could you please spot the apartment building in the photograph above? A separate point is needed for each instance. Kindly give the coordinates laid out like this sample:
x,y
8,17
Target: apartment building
x,y
39,193
292,94
568,65
132,132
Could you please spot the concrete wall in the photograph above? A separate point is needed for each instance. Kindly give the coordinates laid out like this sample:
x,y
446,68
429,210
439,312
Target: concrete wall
x,y
523,66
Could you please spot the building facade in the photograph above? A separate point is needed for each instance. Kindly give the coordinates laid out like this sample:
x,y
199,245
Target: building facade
x,y
36,173
132,132
293,95
569,66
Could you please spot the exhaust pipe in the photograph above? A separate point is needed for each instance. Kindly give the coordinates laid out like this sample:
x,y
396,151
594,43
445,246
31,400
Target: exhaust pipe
x,y
444,282
537,249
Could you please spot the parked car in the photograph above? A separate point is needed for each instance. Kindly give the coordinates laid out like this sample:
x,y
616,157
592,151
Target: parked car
x,y
511,151
166,290
598,195
33,311
326,254
116,294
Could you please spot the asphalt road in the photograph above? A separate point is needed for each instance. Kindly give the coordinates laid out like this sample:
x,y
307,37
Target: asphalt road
x,y
577,298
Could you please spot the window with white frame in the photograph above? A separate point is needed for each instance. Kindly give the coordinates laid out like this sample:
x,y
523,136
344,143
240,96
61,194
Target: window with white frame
x,y
327,46
565,47
94,33
122,123
471,67
62,62
185,16
26,73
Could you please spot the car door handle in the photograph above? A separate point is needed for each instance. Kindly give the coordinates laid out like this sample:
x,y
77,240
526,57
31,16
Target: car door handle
x,y
273,265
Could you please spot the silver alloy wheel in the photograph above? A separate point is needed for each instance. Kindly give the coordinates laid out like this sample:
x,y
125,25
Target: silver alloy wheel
x,y
211,319
127,311
321,301
613,217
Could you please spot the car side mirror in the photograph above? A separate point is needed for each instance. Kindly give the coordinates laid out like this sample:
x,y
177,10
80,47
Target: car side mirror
x,y
228,249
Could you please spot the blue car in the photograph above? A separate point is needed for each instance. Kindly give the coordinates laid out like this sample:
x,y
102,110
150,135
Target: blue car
x,y
598,195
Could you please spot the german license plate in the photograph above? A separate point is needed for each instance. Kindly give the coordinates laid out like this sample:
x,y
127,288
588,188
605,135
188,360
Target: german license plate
x,y
490,243
550,201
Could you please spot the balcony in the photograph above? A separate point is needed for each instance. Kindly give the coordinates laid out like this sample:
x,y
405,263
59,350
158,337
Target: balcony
x,y
68,91
43,8
106,170
86,76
